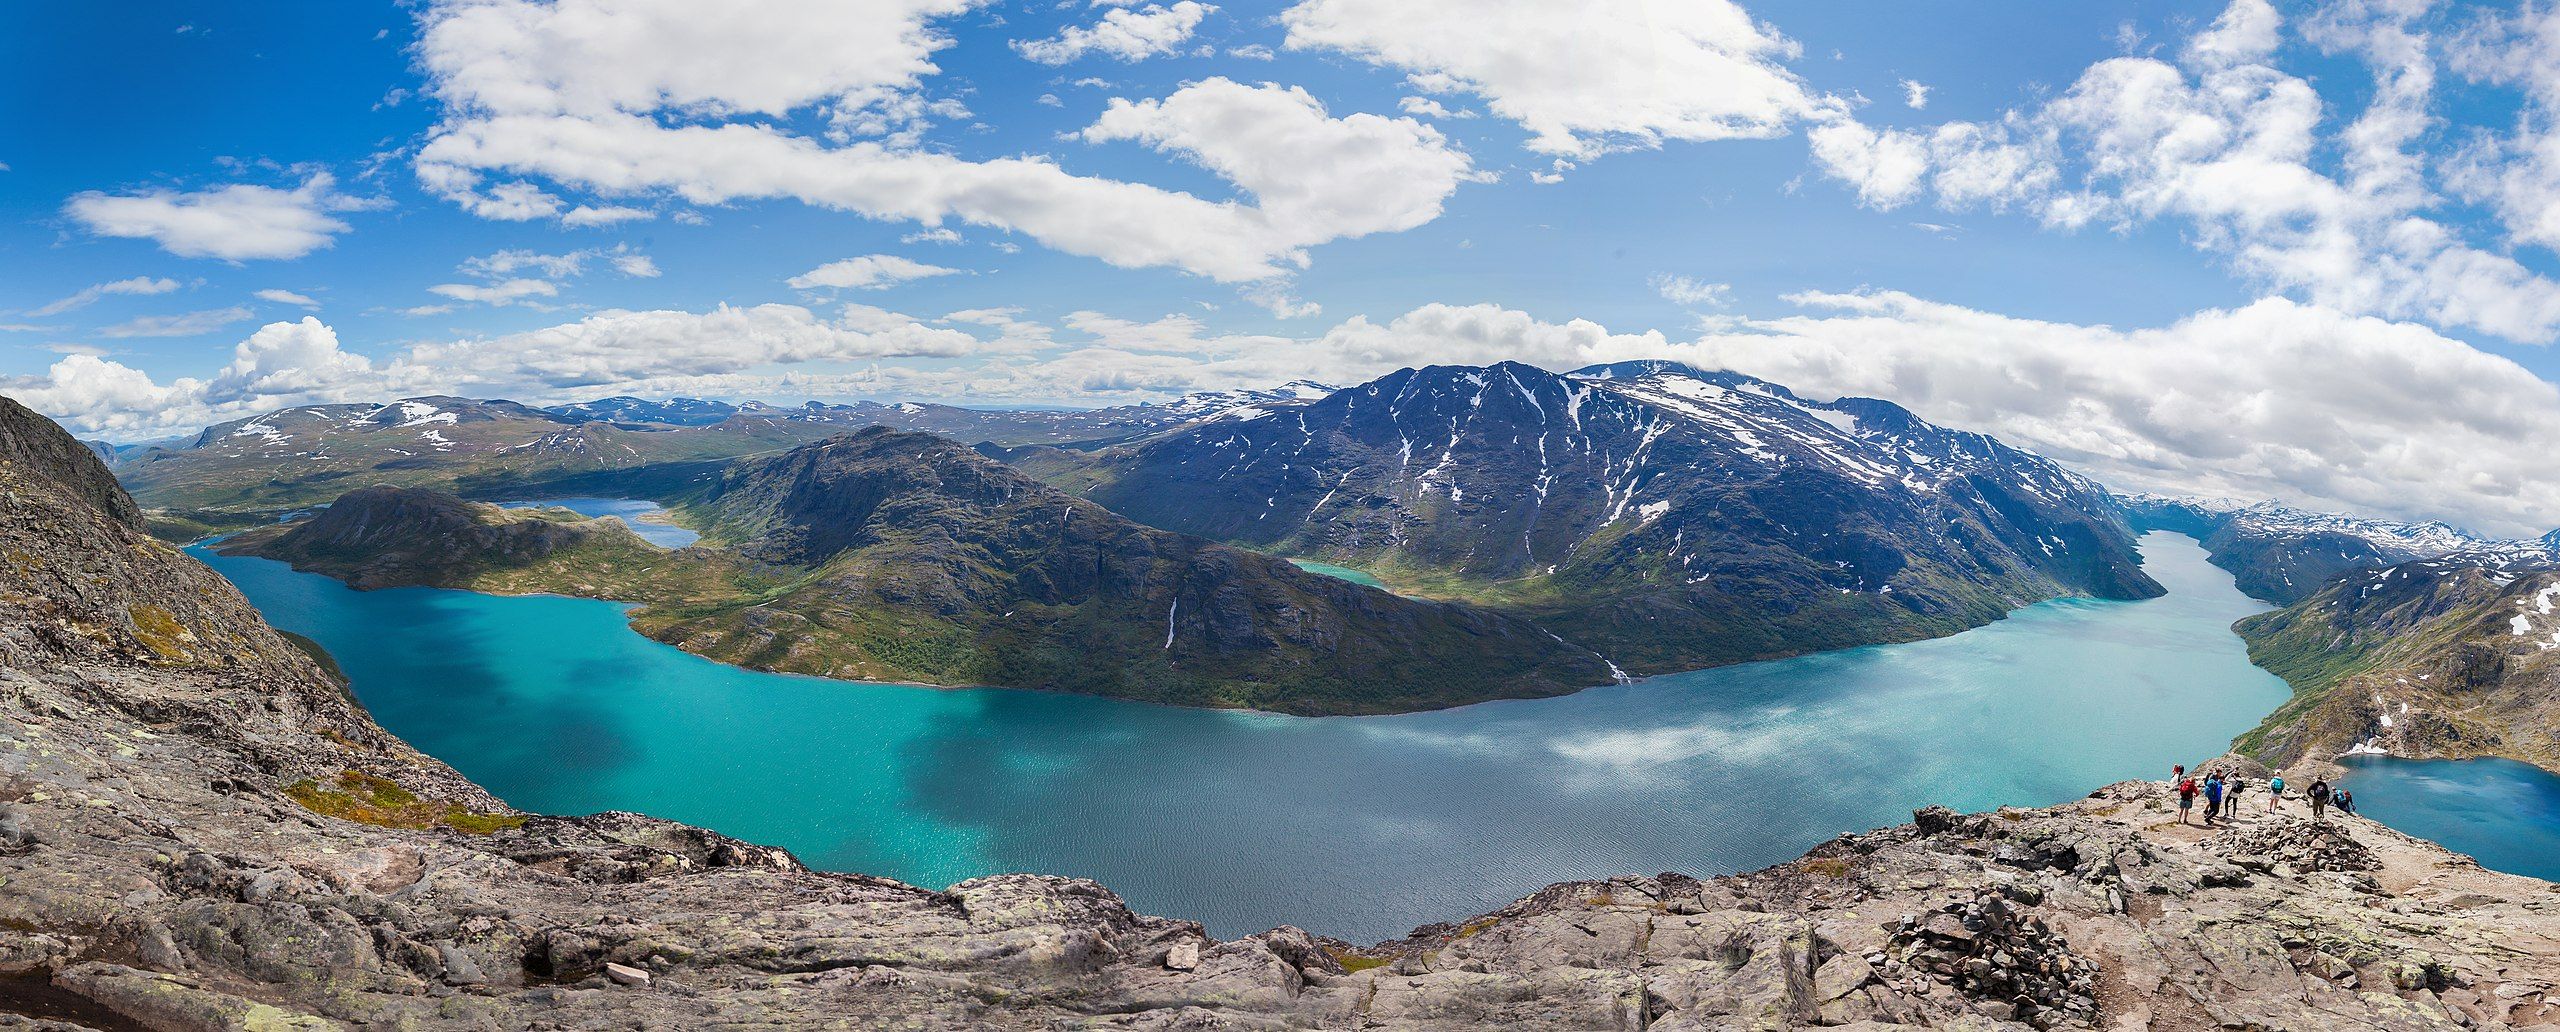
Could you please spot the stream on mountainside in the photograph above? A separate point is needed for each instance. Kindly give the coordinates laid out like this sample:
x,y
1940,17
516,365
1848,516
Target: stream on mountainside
x,y
1358,827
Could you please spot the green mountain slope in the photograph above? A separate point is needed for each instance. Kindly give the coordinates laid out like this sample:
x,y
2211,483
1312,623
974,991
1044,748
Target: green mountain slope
x,y
900,556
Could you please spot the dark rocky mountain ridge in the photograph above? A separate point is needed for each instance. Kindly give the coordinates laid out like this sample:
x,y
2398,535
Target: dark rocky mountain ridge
x,y
1667,517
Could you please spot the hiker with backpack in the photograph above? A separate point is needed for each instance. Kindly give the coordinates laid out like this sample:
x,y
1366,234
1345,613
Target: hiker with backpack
x,y
2212,797
2186,798
2275,792
2319,793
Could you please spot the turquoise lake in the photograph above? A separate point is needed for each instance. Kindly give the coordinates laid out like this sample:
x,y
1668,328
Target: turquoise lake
x,y
1338,572
1360,827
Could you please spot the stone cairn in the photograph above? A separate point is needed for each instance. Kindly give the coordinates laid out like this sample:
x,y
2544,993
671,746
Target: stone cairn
x,y
2286,845
2008,964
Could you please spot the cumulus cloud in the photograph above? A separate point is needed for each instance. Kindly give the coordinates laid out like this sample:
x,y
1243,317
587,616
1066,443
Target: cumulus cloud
x,y
1915,94
2274,399
1585,78
1126,33
303,362
2240,151
1314,175
89,295
237,222
868,272
634,98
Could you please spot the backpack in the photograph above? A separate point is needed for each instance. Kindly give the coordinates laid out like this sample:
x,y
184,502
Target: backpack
x,y
2187,787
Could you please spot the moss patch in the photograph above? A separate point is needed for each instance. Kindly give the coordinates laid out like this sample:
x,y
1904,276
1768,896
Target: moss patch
x,y
1355,963
160,631
381,802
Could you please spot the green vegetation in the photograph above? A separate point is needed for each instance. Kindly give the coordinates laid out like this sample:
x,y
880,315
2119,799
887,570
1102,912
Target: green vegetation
x,y
903,557
1355,963
369,799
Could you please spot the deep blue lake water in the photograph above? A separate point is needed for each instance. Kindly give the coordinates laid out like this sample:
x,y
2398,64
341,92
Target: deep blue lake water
x,y
1360,827
2504,813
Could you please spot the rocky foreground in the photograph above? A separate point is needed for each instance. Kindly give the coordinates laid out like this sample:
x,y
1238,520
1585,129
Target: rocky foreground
x,y
198,830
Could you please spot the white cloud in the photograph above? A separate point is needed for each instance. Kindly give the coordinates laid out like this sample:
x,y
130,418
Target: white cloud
x,y
2236,149
2274,399
287,297
501,284
299,363
1915,94
1314,176
936,235
186,324
604,215
1425,107
498,292
1691,293
237,222
868,272
1125,33
631,98
1583,78
89,295
510,262
615,346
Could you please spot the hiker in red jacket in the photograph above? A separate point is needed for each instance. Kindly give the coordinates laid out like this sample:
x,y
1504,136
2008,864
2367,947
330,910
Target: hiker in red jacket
x,y
2186,798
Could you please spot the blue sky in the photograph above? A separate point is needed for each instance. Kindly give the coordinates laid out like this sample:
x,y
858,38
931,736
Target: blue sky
x,y
2149,239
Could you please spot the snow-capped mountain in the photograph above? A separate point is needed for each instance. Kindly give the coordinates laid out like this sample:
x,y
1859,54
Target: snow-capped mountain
x,y
2284,554
663,412
1667,516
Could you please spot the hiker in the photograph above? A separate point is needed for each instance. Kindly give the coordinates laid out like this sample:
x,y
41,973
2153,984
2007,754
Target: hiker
x,y
2231,794
2212,797
2186,798
2346,802
2275,792
2177,773
2319,793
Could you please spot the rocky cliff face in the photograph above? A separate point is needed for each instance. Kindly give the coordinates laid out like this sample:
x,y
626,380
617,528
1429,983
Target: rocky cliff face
x,y
1666,517
2457,656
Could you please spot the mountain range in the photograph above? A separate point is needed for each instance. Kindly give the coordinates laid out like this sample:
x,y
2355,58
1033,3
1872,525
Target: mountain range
x,y
889,555
1668,517
2284,554
247,471
1616,521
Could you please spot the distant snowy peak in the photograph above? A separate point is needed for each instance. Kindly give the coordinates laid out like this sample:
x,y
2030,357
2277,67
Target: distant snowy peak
x,y
1246,403
2400,540
665,412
